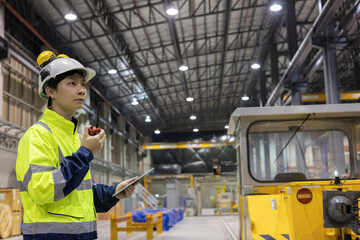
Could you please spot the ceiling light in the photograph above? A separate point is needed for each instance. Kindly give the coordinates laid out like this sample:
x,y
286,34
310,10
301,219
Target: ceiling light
x,y
172,11
192,117
275,7
157,131
195,130
245,98
147,119
112,71
226,127
189,99
183,68
255,66
134,102
70,16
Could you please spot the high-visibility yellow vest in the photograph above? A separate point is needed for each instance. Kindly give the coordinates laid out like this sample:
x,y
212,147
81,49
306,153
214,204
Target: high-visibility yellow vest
x,y
40,154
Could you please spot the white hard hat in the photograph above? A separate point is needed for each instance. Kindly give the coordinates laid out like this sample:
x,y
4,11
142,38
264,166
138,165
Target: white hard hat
x,y
59,66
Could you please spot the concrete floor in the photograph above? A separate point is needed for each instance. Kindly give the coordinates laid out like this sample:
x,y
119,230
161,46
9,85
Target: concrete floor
x,y
194,228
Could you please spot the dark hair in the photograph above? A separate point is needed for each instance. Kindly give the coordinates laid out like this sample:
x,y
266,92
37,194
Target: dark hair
x,y
53,82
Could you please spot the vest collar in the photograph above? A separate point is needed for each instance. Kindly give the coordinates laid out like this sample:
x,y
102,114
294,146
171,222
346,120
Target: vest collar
x,y
56,120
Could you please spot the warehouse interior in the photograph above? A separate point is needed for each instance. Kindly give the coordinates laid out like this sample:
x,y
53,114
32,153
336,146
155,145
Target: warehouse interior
x,y
169,74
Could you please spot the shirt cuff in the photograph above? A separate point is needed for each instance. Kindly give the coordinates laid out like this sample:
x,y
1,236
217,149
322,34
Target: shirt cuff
x,y
84,152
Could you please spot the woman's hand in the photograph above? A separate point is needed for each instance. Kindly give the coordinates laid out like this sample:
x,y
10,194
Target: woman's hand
x,y
128,191
93,143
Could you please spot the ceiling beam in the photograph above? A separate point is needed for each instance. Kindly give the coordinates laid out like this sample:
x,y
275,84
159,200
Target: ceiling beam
x,y
227,18
122,46
176,45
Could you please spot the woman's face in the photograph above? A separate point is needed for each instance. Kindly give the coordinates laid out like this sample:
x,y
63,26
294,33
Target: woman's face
x,y
69,95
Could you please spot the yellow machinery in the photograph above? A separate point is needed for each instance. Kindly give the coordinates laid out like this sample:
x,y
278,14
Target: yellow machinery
x,y
298,171
224,202
152,220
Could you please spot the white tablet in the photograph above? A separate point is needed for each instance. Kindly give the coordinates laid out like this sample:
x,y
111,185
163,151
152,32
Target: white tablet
x,y
134,181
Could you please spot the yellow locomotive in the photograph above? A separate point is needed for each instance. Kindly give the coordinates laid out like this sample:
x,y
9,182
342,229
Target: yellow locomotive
x,y
298,171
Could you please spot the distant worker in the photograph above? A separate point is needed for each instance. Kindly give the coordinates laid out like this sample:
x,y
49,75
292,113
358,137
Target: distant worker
x,y
53,162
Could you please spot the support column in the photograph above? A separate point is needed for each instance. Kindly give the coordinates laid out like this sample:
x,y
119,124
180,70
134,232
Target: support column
x,y
2,34
267,157
253,101
291,27
330,69
292,43
296,94
123,146
108,141
357,75
274,66
263,88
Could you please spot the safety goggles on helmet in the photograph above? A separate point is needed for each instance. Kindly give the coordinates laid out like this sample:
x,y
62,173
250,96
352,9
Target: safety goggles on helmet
x,y
52,66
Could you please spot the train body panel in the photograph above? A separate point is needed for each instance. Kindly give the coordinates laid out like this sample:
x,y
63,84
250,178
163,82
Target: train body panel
x,y
288,155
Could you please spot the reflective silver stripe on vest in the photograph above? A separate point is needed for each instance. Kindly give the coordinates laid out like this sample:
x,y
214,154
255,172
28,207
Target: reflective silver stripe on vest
x,y
44,125
33,168
40,168
59,227
59,184
85,185
21,186
61,156
59,180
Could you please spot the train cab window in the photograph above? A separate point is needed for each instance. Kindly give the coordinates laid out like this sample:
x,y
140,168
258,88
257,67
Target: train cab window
x,y
294,151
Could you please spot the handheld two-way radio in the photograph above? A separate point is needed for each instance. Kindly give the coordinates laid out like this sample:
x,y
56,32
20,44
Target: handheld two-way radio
x,y
95,130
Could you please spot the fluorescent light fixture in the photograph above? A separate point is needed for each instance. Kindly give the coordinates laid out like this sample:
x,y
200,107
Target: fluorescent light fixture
x,y
275,7
189,99
172,11
195,130
255,66
134,102
192,117
226,127
183,68
70,17
112,71
147,119
157,131
245,98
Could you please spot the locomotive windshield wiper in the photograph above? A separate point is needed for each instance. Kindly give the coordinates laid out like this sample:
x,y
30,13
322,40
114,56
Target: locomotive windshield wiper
x,y
292,136
302,155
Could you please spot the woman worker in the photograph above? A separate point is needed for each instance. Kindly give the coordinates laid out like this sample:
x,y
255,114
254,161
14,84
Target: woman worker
x,y
53,162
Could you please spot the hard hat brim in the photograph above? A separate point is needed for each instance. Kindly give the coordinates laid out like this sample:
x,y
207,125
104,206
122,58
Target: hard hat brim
x,y
60,66
89,74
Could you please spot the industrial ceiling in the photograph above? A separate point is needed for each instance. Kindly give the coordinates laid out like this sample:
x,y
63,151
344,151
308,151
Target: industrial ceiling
x,y
302,48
